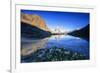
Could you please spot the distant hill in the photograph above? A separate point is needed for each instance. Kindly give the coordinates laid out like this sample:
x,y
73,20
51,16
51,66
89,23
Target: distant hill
x,y
83,33
33,26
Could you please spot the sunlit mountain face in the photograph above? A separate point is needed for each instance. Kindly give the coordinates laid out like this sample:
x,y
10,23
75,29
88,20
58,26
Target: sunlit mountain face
x,y
64,21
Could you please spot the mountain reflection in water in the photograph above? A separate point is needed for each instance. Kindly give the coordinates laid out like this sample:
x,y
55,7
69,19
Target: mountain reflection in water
x,y
54,48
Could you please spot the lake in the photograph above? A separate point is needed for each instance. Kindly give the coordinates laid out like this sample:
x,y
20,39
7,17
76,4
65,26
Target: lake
x,y
54,48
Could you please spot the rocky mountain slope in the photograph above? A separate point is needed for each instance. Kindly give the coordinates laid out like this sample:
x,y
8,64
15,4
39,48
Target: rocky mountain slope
x,y
33,26
34,20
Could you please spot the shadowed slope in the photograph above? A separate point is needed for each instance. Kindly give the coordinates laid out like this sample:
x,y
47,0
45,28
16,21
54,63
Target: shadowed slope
x,y
30,31
83,33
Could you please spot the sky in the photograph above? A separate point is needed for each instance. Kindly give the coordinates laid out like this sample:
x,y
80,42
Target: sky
x,y
65,21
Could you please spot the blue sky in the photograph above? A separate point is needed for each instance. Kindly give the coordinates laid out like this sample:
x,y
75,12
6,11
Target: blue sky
x,y
66,21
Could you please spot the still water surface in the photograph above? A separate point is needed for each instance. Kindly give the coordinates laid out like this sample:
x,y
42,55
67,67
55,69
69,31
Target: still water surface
x,y
74,44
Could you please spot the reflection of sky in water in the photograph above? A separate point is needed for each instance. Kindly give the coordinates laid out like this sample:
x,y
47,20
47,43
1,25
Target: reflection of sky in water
x,y
69,42
74,44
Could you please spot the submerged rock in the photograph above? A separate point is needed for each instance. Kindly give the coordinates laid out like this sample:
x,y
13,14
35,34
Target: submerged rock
x,y
53,54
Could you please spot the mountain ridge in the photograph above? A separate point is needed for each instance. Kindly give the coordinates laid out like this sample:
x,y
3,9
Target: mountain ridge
x,y
83,32
33,26
34,20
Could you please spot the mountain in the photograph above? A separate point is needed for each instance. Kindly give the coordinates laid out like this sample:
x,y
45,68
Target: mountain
x,y
83,32
33,26
34,20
